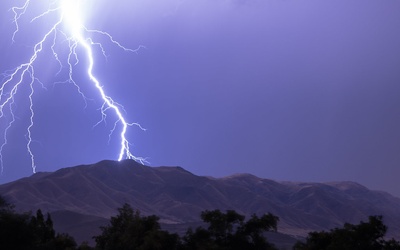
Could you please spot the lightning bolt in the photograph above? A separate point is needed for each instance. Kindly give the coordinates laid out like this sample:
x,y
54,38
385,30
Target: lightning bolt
x,y
70,27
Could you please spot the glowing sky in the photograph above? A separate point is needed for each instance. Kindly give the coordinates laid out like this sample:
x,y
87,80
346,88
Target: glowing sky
x,y
287,90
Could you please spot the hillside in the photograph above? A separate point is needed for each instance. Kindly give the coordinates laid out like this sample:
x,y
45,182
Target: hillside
x,y
84,197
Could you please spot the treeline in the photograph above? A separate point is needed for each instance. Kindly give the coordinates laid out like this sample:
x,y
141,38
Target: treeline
x,y
29,232
129,230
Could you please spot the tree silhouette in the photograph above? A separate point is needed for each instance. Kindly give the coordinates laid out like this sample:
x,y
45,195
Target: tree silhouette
x,y
228,231
27,232
129,231
4,205
366,235
42,229
15,232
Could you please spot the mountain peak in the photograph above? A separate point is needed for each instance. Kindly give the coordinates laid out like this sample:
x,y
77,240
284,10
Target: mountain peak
x,y
178,196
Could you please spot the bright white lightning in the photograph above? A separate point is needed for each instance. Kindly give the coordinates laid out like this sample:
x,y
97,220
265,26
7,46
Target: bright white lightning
x,y
70,26
71,12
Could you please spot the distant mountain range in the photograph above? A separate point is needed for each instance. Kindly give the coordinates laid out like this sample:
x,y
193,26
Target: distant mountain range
x,y
82,198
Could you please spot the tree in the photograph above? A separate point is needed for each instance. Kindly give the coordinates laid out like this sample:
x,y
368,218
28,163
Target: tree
x,y
85,246
130,231
15,232
366,235
5,206
61,242
253,230
229,231
221,224
27,232
42,229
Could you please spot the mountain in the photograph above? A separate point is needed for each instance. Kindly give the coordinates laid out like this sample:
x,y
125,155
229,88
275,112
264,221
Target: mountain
x,y
83,198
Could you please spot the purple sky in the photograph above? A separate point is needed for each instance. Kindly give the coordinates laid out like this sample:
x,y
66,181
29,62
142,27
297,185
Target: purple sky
x,y
287,90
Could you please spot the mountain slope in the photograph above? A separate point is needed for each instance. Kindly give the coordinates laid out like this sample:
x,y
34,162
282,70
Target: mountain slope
x,y
177,196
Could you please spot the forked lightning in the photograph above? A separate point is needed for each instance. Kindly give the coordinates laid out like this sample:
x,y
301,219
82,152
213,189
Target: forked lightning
x,y
69,26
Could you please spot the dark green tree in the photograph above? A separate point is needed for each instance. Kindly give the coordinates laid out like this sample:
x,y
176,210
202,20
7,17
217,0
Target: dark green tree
x,y
61,242
15,232
42,229
252,231
85,246
4,205
366,236
27,232
130,231
229,231
221,225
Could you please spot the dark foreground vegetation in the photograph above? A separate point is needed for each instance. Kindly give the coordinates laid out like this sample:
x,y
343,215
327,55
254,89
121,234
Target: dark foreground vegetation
x,y
26,231
364,236
129,230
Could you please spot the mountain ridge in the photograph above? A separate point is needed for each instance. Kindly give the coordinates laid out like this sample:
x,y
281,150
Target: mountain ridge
x,y
178,197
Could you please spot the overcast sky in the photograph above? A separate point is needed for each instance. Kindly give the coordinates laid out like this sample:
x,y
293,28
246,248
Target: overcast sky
x,y
283,89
